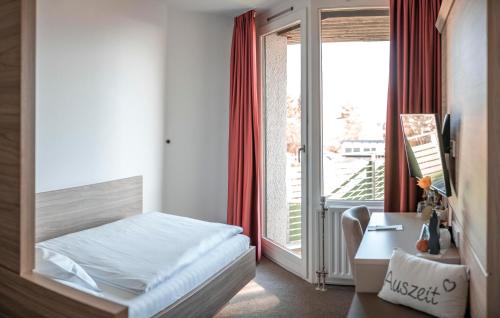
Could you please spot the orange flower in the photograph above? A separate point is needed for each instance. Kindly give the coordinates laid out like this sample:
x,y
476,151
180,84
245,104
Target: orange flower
x,y
425,183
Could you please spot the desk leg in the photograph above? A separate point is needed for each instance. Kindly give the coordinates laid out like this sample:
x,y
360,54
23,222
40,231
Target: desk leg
x,y
369,278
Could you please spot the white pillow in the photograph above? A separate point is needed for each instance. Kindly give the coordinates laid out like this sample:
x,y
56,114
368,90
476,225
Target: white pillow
x,y
62,269
435,288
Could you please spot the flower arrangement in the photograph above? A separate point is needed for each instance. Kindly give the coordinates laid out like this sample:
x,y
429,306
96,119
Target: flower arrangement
x,y
428,203
429,238
425,183
427,209
428,195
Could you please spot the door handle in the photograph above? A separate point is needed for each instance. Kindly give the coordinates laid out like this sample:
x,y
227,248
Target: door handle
x,y
299,152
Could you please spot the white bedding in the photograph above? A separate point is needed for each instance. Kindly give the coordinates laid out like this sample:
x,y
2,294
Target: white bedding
x,y
187,279
137,254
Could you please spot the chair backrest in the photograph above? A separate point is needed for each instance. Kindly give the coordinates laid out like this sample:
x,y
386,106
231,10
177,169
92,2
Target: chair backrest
x,y
354,223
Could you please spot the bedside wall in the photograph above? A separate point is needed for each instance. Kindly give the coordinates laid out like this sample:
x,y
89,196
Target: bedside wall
x,y
197,114
101,93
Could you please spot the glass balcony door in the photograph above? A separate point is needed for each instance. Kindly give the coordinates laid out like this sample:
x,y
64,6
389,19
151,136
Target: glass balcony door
x,y
283,89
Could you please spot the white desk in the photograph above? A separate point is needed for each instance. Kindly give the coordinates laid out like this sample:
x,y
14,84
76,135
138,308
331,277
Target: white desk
x,y
375,250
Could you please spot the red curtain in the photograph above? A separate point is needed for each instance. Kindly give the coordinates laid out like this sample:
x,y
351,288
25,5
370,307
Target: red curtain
x,y
414,87
245,154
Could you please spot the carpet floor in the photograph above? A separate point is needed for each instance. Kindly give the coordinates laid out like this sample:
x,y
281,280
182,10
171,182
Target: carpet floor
x,y
277,293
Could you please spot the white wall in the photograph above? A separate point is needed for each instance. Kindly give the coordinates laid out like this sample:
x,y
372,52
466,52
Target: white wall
x,y
197,111
101,93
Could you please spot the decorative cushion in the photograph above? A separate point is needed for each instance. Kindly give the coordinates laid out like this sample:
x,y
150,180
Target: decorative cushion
x,y
435,288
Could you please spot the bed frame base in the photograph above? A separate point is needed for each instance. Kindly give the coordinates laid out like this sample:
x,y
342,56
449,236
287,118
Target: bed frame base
x,y
209,298
70,210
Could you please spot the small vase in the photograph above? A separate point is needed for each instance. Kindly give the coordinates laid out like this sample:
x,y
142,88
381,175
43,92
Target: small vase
x,y
434,247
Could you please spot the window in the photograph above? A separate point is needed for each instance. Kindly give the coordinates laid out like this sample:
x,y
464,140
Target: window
x,y
355,72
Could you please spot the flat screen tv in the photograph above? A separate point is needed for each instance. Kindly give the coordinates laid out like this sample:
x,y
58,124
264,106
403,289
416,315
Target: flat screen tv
x,y
424,150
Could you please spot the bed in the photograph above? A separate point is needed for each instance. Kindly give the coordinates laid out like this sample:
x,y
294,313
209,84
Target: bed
x,y
194,285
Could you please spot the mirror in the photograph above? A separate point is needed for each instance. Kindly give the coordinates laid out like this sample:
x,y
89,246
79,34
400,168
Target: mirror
x,y
424,150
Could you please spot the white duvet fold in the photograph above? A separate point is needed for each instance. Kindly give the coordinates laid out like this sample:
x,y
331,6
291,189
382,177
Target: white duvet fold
x,y
138,253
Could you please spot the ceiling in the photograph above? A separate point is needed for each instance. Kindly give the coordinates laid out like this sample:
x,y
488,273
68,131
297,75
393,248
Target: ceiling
x,y
225,7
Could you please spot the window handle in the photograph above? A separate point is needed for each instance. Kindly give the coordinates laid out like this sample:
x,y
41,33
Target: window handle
x,y
300,151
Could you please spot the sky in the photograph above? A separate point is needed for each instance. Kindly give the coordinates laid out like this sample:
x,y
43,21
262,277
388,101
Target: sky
x,y
353,73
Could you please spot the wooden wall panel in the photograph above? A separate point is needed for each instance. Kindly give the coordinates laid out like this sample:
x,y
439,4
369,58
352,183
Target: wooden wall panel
x,y
23,293
465,51
493,158
35,296
466,67
478,279
17,109
27,141
10,133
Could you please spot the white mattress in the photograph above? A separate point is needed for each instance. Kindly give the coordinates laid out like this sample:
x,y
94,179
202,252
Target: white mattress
x,y
140,252
181,283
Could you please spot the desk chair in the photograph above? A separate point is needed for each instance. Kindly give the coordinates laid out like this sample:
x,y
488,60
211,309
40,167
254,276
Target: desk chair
x,y
354,223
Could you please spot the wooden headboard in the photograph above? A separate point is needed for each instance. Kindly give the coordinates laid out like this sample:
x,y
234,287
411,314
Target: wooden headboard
x,y
70,210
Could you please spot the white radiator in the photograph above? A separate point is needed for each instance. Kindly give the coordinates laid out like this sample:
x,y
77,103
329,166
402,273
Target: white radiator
x,y
336,259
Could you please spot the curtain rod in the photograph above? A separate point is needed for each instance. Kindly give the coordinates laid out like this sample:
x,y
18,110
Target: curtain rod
x,y
274,16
